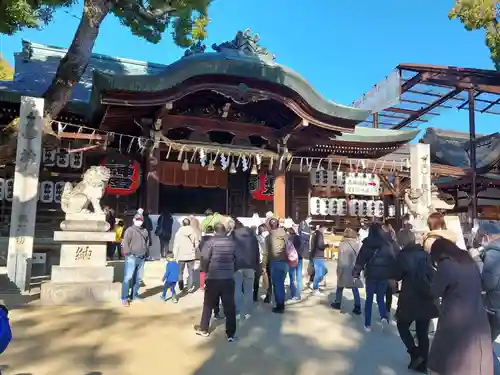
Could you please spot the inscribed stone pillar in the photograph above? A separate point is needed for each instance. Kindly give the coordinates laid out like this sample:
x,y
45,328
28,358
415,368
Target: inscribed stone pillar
x,y
279,208
25,197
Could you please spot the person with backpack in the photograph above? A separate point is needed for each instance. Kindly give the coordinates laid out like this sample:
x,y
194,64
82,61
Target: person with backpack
x,y
317,257
376,259
278,262
416,304
247,264
186,244
164,231
295,271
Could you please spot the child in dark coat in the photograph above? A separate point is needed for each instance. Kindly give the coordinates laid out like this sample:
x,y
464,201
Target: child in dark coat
x,y
170,278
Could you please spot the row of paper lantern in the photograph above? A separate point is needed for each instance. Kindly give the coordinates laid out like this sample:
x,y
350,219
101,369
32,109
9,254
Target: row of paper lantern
x,y
342,207
48,191
338,178
61,158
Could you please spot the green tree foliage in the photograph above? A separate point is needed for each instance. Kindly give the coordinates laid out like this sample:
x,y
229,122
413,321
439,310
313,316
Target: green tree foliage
x,y
481,15
6,71
149,19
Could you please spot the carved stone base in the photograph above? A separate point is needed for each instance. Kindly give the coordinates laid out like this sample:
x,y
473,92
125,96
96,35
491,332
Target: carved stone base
x,y
81,274
80,293
84,225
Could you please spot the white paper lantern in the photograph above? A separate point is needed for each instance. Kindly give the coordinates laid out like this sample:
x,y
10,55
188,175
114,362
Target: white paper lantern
x,y
46,192
58,189
324,206
62,158
334,207
372,207
392,210
314,206
49,157
379,208
342,206
353,207
363,208
9,190
341,176
76,160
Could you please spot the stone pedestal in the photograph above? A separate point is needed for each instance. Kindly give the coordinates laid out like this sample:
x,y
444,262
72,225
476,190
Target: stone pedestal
x,y
82,275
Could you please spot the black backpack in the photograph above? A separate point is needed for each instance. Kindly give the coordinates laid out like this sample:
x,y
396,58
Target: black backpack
x,y
422,277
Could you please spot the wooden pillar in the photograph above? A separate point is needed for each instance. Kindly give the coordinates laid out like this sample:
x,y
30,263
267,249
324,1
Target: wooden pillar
x,y
25,197
152,182
279,207
397,201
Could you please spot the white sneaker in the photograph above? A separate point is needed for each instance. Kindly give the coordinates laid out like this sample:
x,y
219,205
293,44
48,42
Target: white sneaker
x,y
368,328
385,324
318,293
247,316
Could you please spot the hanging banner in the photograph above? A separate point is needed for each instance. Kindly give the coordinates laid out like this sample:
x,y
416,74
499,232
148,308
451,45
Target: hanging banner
x,y
362,184
383,95
261,187
125,175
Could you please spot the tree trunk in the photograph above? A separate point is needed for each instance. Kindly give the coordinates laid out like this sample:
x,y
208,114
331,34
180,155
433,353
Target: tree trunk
x,y
73,65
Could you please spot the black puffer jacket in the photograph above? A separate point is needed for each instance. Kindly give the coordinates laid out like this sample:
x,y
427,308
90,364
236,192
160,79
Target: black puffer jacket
x,y
247,249
415,301
377,258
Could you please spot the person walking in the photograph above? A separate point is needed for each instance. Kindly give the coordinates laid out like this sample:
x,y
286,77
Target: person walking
x,y
347,254
218,261
186,244
209,232
295,272
376,258
170,278
135,245
164,231
278,262
118,239
262,233
247,264
462,342
317,257
489,237
416,304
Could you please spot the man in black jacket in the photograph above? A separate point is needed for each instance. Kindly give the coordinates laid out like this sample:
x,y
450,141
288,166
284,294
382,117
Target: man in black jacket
x,y
247,263
416,302
218,261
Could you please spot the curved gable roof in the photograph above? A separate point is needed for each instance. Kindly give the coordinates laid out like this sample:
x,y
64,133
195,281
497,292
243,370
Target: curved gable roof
x,y
242,58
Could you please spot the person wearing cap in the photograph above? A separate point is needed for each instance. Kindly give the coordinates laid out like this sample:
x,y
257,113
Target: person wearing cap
x,y
489,236
135,246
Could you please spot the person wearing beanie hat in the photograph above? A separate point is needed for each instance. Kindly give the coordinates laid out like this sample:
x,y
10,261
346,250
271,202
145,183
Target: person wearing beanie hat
x,y
135,245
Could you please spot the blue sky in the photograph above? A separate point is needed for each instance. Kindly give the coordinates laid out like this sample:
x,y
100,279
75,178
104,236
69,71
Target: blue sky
x,y
342,48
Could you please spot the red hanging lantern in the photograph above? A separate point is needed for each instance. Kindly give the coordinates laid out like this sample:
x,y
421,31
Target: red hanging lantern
x,y
125,175
262,187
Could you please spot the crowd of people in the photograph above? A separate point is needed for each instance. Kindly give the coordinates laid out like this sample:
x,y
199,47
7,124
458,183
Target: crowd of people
x,y
432,276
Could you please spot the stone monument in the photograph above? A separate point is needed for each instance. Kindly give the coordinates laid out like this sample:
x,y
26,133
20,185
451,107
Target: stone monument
x,y
82,274
422,199
27,168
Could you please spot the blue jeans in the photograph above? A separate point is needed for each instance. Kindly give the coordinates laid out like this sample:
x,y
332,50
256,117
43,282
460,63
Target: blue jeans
x,y
243,290
377,288
279,269
132,274
355,292
171,286
319,271
295,274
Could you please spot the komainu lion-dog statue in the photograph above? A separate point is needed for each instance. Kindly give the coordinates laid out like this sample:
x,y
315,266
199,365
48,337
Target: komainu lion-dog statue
x,y
76,200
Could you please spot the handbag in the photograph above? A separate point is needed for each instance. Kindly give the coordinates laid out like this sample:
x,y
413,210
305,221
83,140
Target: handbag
x,y
356,282
291,253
